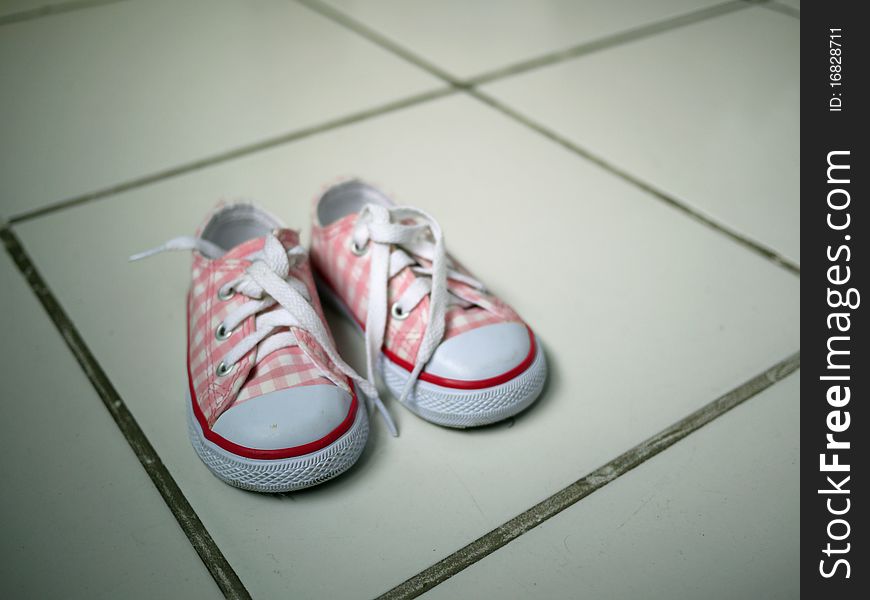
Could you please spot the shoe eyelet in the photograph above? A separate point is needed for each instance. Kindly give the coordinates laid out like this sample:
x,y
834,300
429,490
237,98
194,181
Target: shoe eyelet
x,y
225,294
398,313
222,333
223,370
357,250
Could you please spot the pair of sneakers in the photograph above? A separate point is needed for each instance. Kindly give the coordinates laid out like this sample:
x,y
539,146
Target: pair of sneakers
x,y
271,404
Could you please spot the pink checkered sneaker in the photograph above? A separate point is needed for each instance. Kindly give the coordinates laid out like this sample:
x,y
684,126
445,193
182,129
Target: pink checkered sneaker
x,y
447,348
272,406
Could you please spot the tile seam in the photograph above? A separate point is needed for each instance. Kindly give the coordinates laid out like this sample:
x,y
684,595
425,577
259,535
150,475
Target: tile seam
x,y
553,505
455,85
471,89
223,157
49,10
190,523
668,199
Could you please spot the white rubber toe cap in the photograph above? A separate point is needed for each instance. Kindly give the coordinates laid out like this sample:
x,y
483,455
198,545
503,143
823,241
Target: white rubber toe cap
x,y
481,353
286,418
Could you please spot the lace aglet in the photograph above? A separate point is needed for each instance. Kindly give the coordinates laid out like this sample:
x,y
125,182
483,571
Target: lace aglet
x,y
374,399
205,247
391,425
386,416
143,254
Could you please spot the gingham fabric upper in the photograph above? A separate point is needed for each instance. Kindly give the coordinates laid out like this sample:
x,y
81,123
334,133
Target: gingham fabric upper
x,y
348,275
284,368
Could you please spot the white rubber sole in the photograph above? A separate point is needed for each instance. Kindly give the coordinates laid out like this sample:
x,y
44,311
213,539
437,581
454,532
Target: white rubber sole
x,y
468,408
453,407
282,475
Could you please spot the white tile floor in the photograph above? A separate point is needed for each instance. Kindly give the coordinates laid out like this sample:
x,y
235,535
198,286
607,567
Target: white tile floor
x,y
670,528
25,9
646,313
132,88
649,111
793,3
469,39
80,516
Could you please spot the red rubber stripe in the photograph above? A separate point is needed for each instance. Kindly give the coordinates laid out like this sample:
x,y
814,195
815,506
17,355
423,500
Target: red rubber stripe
x,y
459,384
256,453
465,384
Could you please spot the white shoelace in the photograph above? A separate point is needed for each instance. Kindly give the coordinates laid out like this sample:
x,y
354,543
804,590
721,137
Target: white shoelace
x,y
267,282
383,227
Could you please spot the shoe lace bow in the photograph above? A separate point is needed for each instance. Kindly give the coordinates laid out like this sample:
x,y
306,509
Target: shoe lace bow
x,y
278,302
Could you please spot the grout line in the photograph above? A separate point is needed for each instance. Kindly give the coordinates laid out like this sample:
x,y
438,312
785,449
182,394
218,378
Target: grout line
x,y
783,9
232,154
384,42
375,37
470,89
324,9
528,520
190,523
609,41
52,9
457,85
671,201
193,528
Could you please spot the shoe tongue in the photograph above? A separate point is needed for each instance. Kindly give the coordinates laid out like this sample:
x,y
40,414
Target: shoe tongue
x,y
287,237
